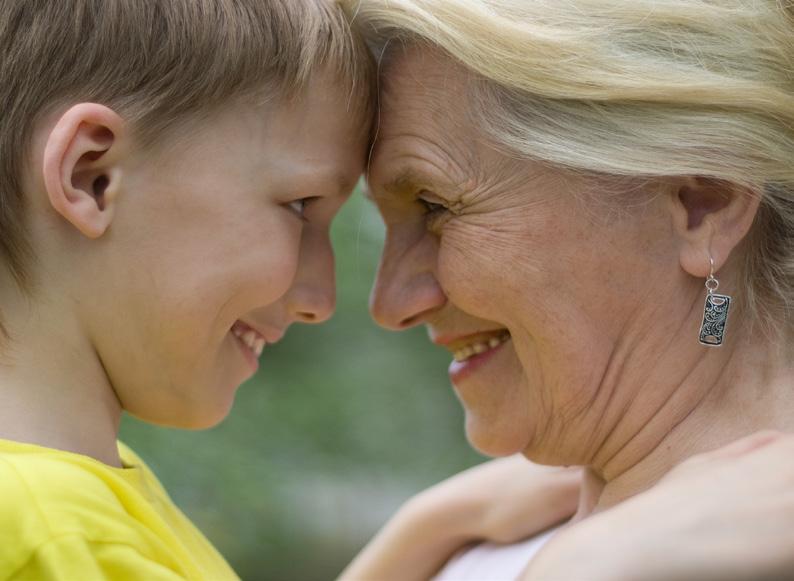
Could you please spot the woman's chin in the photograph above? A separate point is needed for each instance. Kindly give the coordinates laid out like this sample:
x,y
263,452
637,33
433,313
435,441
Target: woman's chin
x,y
495,438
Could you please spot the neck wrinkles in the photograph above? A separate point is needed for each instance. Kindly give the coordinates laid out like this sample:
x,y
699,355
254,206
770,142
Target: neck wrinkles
x,y
739,390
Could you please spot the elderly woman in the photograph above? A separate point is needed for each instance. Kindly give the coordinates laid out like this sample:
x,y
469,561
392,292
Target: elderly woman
x,y
590,204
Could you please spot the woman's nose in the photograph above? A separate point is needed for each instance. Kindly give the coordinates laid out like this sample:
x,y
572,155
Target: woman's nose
x,y
406,291
312,297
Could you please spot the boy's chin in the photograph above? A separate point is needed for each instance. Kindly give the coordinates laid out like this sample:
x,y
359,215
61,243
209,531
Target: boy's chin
x,y
203,423
195,419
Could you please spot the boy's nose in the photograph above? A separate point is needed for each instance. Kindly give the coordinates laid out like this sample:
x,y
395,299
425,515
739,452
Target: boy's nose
x,y
312,303
312,297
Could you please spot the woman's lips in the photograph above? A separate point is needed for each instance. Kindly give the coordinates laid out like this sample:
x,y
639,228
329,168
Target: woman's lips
x,y
459,371
468,361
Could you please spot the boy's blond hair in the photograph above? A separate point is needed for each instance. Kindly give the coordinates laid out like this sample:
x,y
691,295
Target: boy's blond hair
x,y
158,63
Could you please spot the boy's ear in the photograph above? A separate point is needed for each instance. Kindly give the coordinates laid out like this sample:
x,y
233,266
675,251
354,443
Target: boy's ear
x,y
710,218
82,173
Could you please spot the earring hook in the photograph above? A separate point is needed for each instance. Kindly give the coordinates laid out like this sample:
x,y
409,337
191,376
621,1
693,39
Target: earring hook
x,y
712,284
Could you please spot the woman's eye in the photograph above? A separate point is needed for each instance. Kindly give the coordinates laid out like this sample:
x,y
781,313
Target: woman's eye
x,y
431,208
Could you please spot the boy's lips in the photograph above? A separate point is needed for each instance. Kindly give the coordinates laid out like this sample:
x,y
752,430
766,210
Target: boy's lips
x,y
250,337
255,338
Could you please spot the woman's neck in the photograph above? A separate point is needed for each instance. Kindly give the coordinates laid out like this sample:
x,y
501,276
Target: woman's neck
x,y
750,387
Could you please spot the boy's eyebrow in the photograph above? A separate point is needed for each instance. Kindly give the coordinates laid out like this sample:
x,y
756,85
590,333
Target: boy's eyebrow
x,y
338,184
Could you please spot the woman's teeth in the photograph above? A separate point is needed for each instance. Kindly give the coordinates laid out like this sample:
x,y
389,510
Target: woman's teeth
x,y
252,340
480,346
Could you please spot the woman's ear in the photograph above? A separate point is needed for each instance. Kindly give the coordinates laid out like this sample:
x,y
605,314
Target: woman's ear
x,y
81,170
710,218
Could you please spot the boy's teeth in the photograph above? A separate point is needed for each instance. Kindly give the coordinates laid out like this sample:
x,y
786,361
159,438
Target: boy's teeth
x,y
253,340
479,347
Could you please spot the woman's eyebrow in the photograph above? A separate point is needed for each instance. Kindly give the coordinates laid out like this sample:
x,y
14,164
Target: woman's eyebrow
x,y
406,180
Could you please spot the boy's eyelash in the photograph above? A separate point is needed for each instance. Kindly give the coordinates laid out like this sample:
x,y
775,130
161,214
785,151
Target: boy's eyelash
x,y
305,203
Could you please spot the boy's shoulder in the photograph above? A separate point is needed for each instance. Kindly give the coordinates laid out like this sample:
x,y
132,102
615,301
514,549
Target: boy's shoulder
x,y
48,495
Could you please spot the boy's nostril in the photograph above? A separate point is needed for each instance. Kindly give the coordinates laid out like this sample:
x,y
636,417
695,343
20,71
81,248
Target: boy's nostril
x,y
417,319
409,322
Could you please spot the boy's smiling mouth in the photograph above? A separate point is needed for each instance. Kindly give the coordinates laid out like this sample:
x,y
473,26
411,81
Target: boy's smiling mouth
x,y
249,337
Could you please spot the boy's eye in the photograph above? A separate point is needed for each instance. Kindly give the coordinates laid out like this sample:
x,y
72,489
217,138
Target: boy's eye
x,y
299,206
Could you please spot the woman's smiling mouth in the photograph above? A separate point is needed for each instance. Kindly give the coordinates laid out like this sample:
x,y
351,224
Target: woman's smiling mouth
x,y
472,351
468,347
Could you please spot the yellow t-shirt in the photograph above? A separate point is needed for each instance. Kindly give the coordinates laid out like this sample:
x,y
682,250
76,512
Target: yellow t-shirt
x,y
67,517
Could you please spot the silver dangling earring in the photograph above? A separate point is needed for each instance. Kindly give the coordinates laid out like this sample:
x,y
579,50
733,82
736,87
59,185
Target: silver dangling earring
x,y
715,314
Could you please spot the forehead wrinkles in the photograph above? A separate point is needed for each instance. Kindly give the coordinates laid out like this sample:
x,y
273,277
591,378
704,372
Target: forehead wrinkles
x,y
424,116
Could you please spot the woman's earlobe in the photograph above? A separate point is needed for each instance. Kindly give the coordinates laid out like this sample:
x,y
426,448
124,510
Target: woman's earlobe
x,y
81,167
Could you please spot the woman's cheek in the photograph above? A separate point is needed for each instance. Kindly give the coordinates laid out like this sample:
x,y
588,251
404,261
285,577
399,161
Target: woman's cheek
x,y
469,268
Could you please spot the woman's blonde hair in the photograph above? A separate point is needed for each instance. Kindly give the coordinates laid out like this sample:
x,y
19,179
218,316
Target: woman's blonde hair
x,y
639,88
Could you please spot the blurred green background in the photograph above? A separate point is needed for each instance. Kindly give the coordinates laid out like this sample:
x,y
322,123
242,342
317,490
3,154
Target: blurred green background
x,y
343,423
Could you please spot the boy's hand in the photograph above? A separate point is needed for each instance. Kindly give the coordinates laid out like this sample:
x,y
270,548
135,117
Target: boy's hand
x,y
502,500
727,515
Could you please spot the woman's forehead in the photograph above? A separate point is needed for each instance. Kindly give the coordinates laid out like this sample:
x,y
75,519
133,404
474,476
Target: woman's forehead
x,y
424,99
425,76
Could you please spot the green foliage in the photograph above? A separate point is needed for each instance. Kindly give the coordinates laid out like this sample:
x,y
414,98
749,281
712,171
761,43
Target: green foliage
x,y
342,424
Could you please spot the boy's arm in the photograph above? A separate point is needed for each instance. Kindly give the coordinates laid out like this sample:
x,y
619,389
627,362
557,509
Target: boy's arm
x,y
503,500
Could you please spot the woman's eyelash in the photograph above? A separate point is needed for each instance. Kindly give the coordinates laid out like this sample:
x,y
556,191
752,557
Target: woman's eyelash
x,y
431,207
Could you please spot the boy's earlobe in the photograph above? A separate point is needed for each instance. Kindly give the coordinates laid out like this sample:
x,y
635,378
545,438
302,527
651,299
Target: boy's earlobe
x,y
81,167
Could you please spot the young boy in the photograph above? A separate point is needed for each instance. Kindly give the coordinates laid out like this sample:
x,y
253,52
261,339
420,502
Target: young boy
x,y
168,173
